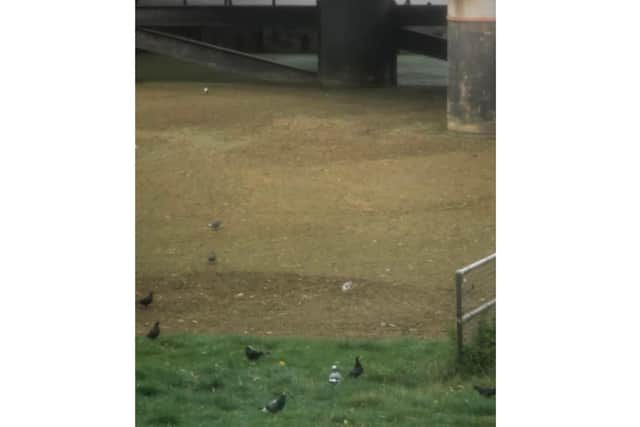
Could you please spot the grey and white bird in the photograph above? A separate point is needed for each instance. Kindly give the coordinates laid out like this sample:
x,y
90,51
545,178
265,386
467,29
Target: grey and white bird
x,y
146,300
335,377
276,405
485,391
215,225
357,369
253,354
154,332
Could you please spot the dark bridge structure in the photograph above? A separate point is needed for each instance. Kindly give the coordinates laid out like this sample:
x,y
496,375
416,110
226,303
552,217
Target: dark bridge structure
x,y
356,42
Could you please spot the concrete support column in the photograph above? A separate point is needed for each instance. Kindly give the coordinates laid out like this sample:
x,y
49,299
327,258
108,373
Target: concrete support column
x,y
471,96
356,43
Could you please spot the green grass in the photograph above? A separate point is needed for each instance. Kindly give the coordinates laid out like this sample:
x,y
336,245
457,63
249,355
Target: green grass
x,y
186,380
479,354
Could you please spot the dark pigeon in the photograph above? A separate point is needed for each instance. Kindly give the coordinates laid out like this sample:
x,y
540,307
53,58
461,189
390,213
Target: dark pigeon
x,y
357,369
215,225
212,258
146,300
485,391
253,354
154,332
275,405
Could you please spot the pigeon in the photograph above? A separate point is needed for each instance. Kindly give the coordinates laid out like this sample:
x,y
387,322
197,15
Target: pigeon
x,y
335,377
146,300
357,369
485,391
212,258
275,405
215,225
253,354
154,332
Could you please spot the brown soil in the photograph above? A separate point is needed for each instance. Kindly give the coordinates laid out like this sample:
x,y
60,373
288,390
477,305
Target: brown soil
x,y
314,187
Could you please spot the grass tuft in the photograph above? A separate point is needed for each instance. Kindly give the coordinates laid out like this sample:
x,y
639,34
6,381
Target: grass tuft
x,y
479,356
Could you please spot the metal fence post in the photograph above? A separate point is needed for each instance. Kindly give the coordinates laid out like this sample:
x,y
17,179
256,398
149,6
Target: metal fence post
x,y
459,332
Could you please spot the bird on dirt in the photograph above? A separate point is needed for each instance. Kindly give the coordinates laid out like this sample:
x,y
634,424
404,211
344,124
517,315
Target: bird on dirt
x,y
335,377
154,332
357,369
215,225
275,405
253,354
212,258
485,391
146,300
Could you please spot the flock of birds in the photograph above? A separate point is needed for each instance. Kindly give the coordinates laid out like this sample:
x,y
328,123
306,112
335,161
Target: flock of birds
x,y
277,404
253,354
215,225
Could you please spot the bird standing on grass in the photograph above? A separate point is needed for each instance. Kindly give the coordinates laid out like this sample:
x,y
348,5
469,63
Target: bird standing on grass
x,y
275,405
212,258
154,332
253,354
335,376
485,391
357,369
146,300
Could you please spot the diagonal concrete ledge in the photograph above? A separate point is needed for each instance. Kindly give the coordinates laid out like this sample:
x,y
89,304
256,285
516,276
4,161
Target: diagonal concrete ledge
x,y
220,58
430,41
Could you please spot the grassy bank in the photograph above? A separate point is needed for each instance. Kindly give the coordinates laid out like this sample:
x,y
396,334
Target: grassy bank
x,y
187,380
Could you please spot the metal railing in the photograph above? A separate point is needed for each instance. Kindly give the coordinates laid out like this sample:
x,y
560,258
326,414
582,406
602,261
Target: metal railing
x,y
461,316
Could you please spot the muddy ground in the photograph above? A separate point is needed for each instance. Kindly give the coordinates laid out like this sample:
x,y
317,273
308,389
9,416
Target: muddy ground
x,y
314,187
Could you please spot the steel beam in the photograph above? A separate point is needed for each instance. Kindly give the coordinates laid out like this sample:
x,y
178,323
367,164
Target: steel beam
x,y
293,16
245,16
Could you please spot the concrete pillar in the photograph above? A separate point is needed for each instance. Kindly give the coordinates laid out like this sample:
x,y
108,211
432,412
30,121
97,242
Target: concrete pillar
x,y
471,96
356,43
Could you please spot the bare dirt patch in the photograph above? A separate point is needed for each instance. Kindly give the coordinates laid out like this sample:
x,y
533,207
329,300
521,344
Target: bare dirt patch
x,y
287,304
314,187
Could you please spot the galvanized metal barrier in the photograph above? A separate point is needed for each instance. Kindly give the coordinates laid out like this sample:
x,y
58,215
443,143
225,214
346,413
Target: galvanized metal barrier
x,y
461,317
